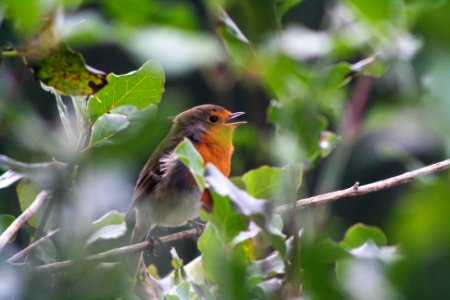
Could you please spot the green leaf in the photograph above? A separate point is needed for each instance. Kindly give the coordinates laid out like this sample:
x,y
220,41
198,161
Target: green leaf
x,y
223,265
342,73
258,18
165,14
339,75
243,202
285,5
190,157
8,178
377,10
43,174
421,221
369,250
106,127
139,88
232,28
65,71
107,232
110,226
112,217
236,43
27,191
330,251
271,182
5,221
26,15
306,132
359,234
269,266
226,220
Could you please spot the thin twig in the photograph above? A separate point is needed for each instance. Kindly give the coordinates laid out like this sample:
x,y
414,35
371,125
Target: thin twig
x,y
23,218
122,250
32,246
355,190
358,190
43,222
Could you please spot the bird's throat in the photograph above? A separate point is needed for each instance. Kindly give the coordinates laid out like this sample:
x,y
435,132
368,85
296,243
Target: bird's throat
x,y
217,151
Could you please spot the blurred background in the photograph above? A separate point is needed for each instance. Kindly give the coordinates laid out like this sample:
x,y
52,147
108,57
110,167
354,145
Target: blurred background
x,y
354,91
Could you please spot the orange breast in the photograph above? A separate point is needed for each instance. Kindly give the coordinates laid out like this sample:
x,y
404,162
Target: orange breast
x,y
219,154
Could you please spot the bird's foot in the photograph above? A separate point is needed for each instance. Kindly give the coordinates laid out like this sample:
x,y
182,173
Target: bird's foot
x,y
198,226
152,244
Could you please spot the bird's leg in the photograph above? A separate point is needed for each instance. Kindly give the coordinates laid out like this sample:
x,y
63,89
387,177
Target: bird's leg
x,y
152,241
198,226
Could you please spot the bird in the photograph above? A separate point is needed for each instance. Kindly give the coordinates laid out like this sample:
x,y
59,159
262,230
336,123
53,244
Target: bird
x,y
166,193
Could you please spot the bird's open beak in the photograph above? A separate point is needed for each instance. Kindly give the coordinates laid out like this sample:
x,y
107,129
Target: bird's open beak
x,y
234,116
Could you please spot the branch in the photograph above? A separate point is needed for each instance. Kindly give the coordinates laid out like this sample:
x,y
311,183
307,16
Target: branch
x,y
355,190
23,218
122,250
32,246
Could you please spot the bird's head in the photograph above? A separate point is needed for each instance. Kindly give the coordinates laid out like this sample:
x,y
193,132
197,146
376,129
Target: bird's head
x,y
208,121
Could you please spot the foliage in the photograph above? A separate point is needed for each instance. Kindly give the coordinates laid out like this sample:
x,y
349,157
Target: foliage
x,y
341,84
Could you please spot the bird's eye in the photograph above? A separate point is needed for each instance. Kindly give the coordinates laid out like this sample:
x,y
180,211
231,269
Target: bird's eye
x,y
213,119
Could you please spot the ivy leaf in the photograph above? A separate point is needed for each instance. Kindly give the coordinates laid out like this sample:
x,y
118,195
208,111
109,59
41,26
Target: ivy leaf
x,y
359,234
107,126
65,71
140,88
190,157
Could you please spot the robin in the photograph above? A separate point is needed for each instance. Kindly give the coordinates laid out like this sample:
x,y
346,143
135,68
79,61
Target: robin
x,y
166,193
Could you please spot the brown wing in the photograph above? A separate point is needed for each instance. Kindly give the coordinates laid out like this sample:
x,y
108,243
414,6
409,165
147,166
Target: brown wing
x,y
149,177
151,173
